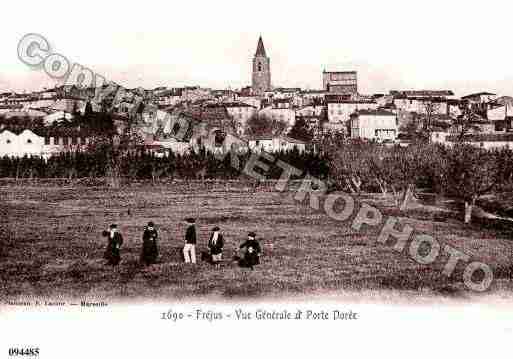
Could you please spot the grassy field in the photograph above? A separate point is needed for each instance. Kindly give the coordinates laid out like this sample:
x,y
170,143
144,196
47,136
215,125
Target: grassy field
x,y
51,246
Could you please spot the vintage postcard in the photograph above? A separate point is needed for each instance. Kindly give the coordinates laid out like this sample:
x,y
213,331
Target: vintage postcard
x,y
256,179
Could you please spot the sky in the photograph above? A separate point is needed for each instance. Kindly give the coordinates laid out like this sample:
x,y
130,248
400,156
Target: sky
x,y
464,46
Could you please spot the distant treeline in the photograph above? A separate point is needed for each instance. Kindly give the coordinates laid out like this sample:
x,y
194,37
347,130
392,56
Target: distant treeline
x,y
141,166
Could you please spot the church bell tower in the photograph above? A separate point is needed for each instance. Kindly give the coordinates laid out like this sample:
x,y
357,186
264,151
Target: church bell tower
x,y
261,79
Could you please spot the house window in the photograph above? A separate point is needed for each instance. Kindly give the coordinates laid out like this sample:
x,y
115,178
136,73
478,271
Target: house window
x,y
257,142
500,125
47,140
29,141
259,67
219,139
8,141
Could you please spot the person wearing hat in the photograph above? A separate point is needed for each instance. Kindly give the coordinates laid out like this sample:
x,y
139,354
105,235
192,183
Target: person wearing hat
x,y
115,241
189,250
215,246
251,252
150,250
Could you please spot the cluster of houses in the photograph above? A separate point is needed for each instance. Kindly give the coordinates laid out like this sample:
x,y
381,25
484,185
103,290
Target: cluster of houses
x,y
380,118
41,142
220,117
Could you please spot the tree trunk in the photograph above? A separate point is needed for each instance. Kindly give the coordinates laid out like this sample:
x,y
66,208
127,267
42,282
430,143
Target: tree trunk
x,y
71,174
382,187
349,185
407,197
357,182
113,175
17,173
394,194
468,210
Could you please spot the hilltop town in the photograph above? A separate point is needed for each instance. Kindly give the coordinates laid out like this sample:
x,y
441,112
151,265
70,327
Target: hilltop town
x,y
257,117
408,190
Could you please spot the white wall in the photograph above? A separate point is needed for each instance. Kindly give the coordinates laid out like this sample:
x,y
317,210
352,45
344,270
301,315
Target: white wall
x,y
487,145
439,137
310,111
380,127
49,119
241,115
252,101
275,144
26,143
419,106
341,112
500,113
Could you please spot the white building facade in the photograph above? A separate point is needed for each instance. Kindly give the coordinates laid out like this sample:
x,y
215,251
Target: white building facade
x,y
26,143
375,125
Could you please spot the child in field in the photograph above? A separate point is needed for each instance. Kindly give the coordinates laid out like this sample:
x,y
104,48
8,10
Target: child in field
x,y
115,241
150,249
215,246
251,252
189,250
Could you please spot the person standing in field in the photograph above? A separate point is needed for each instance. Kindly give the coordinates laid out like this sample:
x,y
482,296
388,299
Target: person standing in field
x,y
251,252
150,250
215,246
189,250
115,241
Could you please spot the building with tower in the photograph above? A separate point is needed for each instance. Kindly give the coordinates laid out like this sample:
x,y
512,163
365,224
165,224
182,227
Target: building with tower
x,y
261,79
340,82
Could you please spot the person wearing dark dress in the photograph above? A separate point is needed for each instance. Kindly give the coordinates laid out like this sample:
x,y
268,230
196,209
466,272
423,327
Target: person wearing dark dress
x,y
215,246
251,252
150,250
189,250
115,241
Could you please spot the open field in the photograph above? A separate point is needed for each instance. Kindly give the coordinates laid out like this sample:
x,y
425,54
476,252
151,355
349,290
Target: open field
x,y
51,246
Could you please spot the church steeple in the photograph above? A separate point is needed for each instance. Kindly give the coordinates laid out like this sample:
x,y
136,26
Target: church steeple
x,y
261,78
260,48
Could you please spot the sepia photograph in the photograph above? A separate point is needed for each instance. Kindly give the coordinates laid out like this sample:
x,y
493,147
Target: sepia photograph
x,y
281,178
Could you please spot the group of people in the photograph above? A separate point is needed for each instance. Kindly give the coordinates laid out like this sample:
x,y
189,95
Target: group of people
x,y
250,250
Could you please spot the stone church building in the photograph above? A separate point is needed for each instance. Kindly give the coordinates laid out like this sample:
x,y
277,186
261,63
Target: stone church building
x,y
261,80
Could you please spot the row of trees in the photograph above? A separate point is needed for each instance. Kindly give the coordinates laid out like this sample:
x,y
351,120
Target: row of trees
x,y
136,165
462,171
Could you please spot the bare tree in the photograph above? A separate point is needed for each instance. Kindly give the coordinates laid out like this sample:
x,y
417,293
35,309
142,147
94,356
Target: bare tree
x,y
470,172
349,168
116,144
466,122
430,109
